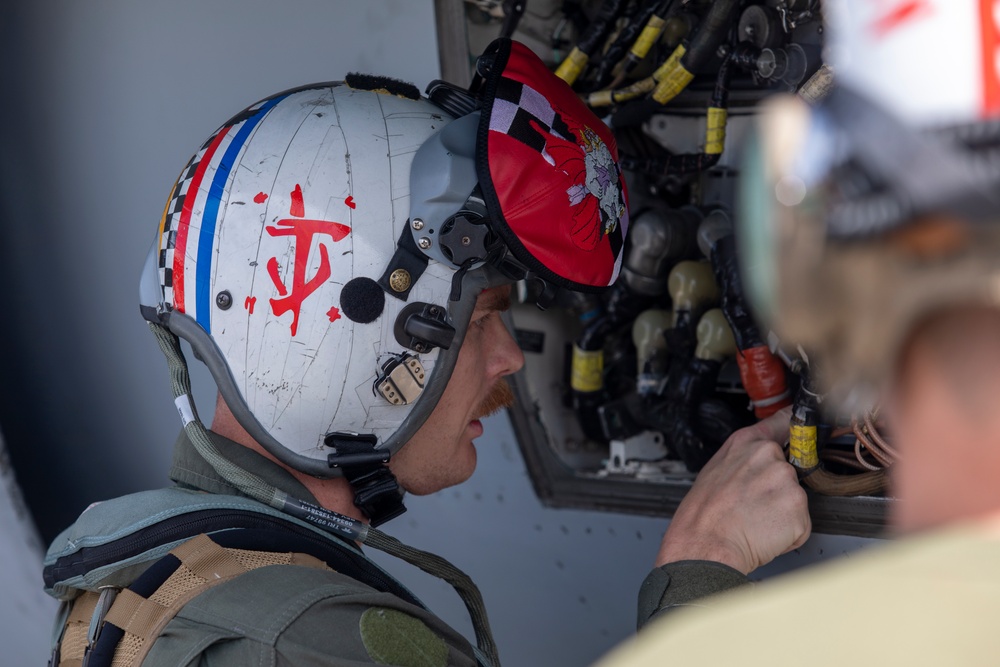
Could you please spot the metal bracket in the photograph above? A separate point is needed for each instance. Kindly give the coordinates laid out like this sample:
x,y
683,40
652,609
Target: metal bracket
x,y
401,379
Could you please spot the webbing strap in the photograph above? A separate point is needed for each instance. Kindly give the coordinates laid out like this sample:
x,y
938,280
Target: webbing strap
x,y
135,614
207,559
203,564
73,643
305,560
83,608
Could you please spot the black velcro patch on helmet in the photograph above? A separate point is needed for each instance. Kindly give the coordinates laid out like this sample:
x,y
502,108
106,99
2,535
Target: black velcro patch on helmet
x,y
382,84
362,300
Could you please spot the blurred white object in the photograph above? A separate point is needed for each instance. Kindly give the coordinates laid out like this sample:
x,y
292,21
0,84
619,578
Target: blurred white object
x,y
926,61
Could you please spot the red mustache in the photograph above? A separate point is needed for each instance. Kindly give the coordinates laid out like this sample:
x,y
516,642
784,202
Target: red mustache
x,y
500,397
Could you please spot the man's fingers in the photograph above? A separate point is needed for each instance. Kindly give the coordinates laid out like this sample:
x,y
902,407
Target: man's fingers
x,y
802,538
776,426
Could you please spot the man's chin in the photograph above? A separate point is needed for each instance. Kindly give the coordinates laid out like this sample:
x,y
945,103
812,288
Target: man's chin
x,y
445,479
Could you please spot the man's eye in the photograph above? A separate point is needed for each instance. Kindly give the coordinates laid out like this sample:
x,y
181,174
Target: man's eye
x,y
482,321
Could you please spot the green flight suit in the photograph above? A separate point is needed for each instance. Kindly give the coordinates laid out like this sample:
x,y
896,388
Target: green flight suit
x,y
275,615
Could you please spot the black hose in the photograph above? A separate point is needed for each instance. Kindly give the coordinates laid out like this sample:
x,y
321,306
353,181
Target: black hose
x,y
685,392
634,112
574,14
710,34
734,305
513,11
623,305
624,41
685,163
601,25
720,94
593,337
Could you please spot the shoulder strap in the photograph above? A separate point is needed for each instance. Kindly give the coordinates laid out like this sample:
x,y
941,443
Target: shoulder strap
x,y
139,613
192,568
239,531
260,531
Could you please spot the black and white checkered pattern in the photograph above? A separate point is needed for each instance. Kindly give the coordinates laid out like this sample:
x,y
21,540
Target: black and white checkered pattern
x,y
171,222
516,106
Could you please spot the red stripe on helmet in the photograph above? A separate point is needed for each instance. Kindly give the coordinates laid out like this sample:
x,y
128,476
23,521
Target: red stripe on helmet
x,y
180,247
991,49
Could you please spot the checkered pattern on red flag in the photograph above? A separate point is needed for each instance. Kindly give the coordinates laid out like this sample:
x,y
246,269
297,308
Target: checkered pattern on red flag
x,y
550,173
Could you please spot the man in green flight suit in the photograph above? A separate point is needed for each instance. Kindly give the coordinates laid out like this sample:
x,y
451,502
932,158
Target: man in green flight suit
x,y
339,256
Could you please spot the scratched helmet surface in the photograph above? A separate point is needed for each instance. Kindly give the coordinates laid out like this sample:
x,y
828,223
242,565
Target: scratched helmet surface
x,y
323,251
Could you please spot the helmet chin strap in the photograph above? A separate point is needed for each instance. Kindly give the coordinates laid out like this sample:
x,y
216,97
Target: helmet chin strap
x,y
332,522
376,491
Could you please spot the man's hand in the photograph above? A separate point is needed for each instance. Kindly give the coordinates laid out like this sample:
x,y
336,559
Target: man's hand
x,y
746,506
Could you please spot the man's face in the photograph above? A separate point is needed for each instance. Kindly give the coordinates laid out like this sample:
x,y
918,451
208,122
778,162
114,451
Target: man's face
x,y
441,453
943,415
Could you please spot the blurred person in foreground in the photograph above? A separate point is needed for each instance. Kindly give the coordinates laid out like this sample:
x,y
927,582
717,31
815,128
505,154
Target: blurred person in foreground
x,y
871,225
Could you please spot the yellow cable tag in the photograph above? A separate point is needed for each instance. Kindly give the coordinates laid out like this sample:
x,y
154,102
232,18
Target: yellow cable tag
x,y
715,130
802,447
601,98
671,63
571,68
635,90
672,85
648,37
587,372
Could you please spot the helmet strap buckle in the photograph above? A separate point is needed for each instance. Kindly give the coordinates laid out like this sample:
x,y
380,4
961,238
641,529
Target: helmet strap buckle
x,y
408,258
376,492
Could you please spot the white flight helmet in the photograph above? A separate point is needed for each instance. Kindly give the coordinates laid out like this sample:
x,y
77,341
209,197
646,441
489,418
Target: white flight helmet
x,y
867,212
323,251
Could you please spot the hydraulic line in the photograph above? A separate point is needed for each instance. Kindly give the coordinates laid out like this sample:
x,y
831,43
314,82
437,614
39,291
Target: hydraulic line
x,y
688,395
674,75
803,430
762,374
605,98
703,47
587,367
803,453
575,63
641,34
649,36
715,137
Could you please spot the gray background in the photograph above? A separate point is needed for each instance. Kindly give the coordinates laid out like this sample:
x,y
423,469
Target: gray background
x,y
103,103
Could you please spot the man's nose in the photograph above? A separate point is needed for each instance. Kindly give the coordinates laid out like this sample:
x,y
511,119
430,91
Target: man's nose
x,y
507,353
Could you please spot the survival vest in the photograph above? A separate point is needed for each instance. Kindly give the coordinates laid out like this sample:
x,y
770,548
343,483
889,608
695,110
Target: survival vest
x,y
128,565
